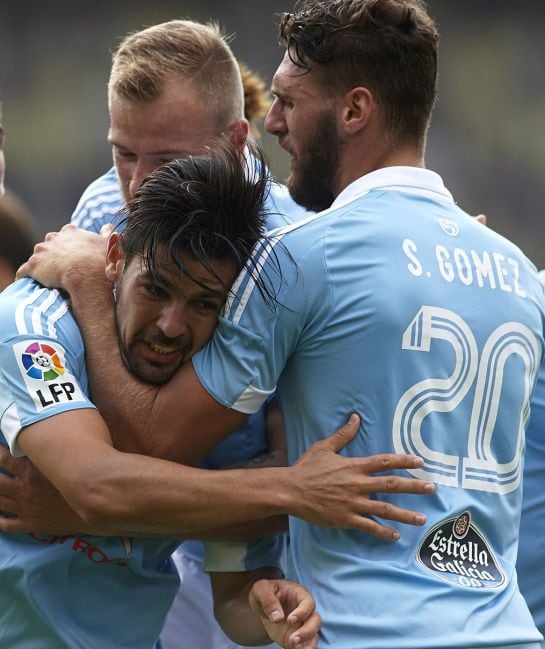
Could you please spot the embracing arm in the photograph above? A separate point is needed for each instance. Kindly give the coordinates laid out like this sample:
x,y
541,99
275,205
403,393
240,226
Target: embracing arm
x,y
131,492
35,505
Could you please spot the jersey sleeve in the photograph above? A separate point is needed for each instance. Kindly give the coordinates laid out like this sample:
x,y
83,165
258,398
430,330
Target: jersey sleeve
x,y
100,204
241,556
37,380
256,333
267,319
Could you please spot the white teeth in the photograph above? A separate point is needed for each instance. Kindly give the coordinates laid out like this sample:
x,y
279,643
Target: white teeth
x,y
160,349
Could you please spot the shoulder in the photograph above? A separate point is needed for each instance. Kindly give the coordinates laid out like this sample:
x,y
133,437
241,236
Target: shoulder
x,y
101,201
281,208
29,309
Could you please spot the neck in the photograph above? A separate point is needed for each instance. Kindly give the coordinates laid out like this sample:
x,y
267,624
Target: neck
x,y
359,160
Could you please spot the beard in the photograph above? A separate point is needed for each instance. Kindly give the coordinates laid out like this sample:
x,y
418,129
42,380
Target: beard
x,y
313,173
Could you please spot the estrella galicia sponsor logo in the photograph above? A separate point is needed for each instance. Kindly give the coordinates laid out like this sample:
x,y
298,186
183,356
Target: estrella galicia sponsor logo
x,y
449,227
456,550
44,372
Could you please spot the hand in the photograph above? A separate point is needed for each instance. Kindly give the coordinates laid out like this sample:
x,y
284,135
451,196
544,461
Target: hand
x,y
37,505
333,491
480,218
69,254
287,611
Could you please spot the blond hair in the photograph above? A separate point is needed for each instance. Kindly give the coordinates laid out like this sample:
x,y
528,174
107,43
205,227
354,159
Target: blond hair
x,y
147,60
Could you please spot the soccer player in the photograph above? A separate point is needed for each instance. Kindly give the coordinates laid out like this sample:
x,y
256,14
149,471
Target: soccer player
x,y
173,88
392,302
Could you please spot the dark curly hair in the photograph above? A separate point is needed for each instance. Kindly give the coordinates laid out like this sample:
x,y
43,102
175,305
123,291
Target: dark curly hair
x,y
388,46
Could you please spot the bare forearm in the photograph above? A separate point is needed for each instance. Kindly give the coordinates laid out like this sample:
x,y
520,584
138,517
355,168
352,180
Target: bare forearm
x,y
231,609
163,498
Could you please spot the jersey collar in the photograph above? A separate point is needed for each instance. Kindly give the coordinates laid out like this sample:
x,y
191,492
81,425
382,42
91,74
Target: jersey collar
x,y
413,180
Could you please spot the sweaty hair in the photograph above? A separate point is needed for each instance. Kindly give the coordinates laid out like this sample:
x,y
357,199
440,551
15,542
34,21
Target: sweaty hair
x,y
207,208
147,60
387,46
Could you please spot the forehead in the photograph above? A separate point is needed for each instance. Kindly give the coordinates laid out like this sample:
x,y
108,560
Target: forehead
x,y
177,121
290,79
174,278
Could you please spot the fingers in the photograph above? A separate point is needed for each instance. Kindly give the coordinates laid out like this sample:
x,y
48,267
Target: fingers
x,y
303,618
305,604
389,462
264,594
306,636
22,271
340,438
303,621
481,218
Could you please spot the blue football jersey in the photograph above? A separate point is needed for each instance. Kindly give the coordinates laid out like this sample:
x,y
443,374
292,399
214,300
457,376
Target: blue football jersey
x,y
397,305
75,591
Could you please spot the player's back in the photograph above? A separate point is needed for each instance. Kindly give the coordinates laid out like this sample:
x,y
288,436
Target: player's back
x,y
430,326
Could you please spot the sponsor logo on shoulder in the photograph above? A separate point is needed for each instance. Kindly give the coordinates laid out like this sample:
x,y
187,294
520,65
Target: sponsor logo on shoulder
x,y
449,227
44,372
457,551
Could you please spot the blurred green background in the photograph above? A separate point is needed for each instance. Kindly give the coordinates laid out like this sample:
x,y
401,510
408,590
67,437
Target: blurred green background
x,y
487,137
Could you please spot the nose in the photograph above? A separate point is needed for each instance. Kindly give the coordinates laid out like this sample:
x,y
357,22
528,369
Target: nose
x,y
172,320
139,173
274,121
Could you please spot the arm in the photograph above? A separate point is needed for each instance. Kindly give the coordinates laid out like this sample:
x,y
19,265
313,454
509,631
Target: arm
x,y
36,505
257,607
125,491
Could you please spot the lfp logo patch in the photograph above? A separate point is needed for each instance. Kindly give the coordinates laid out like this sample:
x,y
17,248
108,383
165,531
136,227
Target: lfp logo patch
x,y
47,378
42,362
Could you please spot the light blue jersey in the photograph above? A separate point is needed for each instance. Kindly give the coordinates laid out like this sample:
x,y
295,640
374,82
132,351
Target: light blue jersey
x,y
397,305
531,556
77,591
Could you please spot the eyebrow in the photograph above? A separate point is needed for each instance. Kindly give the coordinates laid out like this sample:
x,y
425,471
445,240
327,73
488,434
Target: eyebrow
x,y
162,280
181,153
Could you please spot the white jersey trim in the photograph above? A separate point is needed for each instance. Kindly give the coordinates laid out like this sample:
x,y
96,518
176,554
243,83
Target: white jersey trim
x,y
38,311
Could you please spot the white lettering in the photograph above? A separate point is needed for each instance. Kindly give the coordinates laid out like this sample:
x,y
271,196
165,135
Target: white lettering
x,y
409,248
463,265
483,268
445,267
502,272
515,265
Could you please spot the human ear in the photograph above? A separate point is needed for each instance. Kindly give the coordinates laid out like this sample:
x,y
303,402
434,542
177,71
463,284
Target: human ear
x,y
237,131
115,258
358,108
